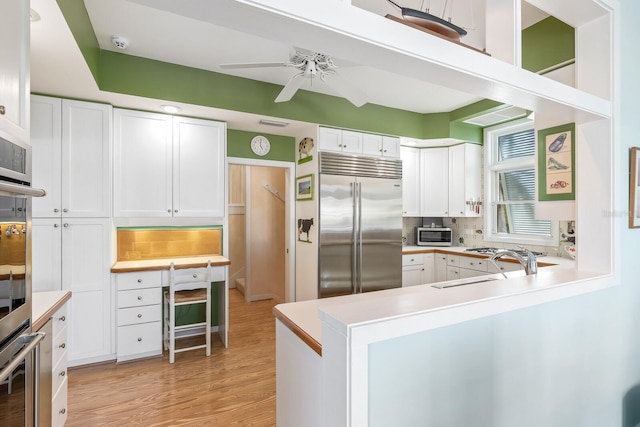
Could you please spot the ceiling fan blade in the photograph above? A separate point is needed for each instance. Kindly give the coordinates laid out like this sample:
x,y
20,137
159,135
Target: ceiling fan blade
x,y
345,89
254,65
291,88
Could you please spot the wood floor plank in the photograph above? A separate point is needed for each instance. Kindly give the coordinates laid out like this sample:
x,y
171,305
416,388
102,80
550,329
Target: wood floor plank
x,y
234,387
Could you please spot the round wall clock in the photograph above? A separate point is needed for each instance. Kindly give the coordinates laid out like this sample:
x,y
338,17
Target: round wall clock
x,y
260,145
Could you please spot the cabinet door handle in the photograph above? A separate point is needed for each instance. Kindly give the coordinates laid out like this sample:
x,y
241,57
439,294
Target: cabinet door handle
x,y
56,210
55,226
139,339
140,298
3,110
65,210
169,210
63,318
65,225
176,211
139,280
63,373
63,411
139,316
63,345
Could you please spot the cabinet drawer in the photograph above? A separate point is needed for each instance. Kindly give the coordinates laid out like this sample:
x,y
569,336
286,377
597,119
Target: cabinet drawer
x,y
60,319
453,273
138,339
453,260
473,263
413,259
136,315
59,374
138,280
138,297
59,406
59,344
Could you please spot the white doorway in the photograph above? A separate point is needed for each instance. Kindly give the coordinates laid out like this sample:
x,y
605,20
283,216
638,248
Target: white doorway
x,y
261,228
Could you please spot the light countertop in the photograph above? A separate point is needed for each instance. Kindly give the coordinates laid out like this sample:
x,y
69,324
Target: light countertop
x,y
164,263
44,304
304,318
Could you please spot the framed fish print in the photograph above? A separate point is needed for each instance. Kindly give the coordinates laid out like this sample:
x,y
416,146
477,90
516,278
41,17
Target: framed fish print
x,y
556,163
634,188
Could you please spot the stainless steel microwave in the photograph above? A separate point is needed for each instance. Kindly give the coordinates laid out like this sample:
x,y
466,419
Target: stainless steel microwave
x,y
434,236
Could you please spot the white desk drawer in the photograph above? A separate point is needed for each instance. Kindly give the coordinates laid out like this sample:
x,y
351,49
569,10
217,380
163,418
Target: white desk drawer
x,y
136,315
453,260
138,297
59,406
413,259
137,339
138,280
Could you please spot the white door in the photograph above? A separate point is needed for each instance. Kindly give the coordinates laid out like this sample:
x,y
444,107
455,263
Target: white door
x,y
351,142
46,133
86,159
434,191
86,273
142,164
46,267
440,268
372,144
412,275
199,148
391,146
330,139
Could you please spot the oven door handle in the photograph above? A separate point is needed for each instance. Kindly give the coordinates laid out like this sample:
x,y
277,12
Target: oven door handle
x,y
20,190
34,340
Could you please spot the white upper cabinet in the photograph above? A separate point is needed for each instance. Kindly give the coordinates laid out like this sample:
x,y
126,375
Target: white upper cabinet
x,y
465,175
168,166
347,141
14,71
198,167
142,164
71,157
379,145
434,180
410,181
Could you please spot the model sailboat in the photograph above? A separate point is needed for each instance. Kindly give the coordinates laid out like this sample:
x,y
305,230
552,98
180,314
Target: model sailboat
x,y
431,22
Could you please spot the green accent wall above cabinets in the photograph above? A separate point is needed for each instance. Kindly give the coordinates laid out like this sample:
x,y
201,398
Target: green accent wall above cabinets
x,y
239,145
547,43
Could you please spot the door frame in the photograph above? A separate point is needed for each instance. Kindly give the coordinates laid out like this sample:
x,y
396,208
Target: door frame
x,y
289,215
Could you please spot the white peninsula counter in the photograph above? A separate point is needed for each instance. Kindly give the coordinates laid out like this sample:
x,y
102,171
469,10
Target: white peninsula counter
x,y
323,347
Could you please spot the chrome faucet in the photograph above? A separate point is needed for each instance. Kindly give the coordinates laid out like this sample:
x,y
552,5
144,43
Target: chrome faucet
x,y
530,264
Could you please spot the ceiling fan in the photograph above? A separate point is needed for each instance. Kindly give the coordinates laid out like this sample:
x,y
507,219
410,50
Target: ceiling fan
x,y
310,65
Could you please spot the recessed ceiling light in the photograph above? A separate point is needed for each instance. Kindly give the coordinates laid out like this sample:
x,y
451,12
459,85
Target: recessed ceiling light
x,y
33,15
273,123
170,108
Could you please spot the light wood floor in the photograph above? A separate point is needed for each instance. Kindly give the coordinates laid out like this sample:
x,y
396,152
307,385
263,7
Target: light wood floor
x,y
234,387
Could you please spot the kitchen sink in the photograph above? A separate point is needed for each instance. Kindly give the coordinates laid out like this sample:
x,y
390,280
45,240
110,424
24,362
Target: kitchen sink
x,y
460,282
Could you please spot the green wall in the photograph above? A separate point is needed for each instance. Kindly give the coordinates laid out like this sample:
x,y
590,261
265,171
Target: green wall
x,y
239,145
547,43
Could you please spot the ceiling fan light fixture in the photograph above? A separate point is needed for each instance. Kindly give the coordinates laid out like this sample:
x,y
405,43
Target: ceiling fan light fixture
x,y
275,123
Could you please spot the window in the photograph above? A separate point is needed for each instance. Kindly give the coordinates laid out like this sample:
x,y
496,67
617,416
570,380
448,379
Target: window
x,y
510,187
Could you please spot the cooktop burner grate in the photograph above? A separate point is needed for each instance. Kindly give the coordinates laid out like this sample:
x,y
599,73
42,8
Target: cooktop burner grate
x,y
491,251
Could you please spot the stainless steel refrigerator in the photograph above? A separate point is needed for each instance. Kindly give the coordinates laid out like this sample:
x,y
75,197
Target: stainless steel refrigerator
x,y
360,224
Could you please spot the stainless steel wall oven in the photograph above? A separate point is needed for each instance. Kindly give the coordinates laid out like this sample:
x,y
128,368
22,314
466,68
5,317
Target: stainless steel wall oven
x,y
18,345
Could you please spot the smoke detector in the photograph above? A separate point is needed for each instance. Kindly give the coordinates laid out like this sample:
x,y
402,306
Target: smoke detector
x,y
120,42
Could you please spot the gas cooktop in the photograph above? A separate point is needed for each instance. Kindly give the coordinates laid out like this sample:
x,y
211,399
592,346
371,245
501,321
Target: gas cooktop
x,y
491,251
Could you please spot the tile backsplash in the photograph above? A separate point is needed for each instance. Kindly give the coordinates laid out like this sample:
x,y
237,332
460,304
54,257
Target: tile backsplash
x,y
469,232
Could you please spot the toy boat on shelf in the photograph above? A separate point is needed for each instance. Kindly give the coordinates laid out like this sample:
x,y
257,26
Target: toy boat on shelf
x,y
431,22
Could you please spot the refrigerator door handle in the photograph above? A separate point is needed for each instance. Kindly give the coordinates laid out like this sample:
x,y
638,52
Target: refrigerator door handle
x,y
354,238
359,243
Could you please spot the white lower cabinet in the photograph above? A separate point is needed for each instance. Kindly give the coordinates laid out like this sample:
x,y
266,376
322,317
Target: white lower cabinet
x,y
139,314
54,412
73,254
440,267
417,269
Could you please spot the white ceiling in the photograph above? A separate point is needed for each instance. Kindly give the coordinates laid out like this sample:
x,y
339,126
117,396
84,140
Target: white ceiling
x,y
58,67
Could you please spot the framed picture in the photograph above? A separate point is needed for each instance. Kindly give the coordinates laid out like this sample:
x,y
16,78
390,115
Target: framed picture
x,y
556,163
634,189
304,187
